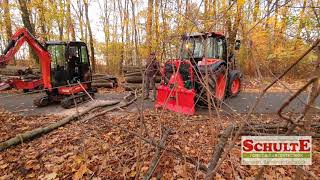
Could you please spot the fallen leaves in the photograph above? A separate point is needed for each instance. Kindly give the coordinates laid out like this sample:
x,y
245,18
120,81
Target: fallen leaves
x,y
96,149
81,171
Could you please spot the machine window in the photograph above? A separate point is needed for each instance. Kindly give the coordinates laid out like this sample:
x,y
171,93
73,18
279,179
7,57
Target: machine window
x,y
214,48
57,53
84,54
193,47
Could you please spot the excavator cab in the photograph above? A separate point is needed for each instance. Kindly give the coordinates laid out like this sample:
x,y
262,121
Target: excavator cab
x,y
70,63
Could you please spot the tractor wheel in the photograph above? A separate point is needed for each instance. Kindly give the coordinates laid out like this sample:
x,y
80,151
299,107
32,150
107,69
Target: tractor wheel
x,y
221,84
234,84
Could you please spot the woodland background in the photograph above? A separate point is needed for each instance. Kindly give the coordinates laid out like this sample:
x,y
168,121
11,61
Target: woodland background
x,y
273,33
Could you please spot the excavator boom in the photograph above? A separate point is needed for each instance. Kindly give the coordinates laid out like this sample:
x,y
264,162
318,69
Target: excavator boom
x,y
17,40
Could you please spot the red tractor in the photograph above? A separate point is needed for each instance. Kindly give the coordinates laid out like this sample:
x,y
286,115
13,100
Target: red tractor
x,y
65,69
184,82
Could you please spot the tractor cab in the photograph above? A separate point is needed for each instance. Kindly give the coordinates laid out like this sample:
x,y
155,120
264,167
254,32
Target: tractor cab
x,y
69,63
197,46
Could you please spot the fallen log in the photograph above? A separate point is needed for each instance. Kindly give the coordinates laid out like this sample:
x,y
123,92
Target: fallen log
x,y
4,86
132,74
134,86
126,102
46,129
126,69
138,79
105,85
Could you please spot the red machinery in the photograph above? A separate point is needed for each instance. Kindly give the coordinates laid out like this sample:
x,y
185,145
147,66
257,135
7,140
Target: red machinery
x,y
26,85
184,79
65,68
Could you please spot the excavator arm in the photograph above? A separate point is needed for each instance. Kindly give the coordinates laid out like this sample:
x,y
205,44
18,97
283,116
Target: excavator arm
x,y
17,40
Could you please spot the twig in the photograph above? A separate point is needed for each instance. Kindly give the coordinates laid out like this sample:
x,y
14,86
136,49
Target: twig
x,y
218,150
156,157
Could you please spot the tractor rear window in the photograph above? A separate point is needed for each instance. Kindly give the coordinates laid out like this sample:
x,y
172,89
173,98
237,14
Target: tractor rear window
x,y
214,48
193,48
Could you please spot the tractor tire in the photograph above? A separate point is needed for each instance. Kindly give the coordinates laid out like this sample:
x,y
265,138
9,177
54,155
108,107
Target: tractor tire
x,y
220,90
234,84
218,73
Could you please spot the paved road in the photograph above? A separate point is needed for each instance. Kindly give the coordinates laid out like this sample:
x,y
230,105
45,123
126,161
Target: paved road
x,y
241,104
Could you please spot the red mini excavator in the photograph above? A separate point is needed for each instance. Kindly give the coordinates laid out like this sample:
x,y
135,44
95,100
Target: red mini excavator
x,y
65,68
184,81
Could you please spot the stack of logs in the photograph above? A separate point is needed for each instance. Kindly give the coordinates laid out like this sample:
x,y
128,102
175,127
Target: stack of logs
x,y
103,80
133,77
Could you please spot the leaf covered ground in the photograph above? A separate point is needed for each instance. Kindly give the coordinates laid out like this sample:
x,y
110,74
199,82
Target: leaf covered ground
x,y
97,149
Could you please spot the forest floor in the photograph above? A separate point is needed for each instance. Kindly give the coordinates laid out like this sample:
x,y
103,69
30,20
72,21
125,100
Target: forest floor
x,y
100,148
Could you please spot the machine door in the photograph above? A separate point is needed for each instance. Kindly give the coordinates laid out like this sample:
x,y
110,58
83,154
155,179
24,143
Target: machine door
x,y
58,64
84,66
78,65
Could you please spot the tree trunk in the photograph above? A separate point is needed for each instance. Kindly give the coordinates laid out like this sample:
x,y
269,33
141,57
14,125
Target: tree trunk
x,y
256,11
93,63
234,29
157,27
25,15
106,35
60,20
301,23
149,27
7,19
7,22
122,22
134,27
284,23
71,35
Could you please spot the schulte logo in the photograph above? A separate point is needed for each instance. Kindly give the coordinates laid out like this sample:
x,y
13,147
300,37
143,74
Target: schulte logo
x,y
276,150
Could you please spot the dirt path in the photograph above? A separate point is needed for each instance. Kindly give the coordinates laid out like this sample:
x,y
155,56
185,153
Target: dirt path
x,y
270,103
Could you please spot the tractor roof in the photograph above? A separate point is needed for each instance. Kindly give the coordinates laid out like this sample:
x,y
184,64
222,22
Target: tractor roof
x,y
198,34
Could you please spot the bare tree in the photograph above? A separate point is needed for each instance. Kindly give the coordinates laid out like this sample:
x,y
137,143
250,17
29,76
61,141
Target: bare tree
x,y
149,26
92,59
7,19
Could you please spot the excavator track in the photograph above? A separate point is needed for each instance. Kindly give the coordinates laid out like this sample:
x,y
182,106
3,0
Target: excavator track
x,y
42,101
71,101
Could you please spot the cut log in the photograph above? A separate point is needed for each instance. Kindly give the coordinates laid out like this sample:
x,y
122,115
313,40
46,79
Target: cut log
x,y
138,79
132,86
126,69
133,74
46,129
18,70
4,86
105,85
